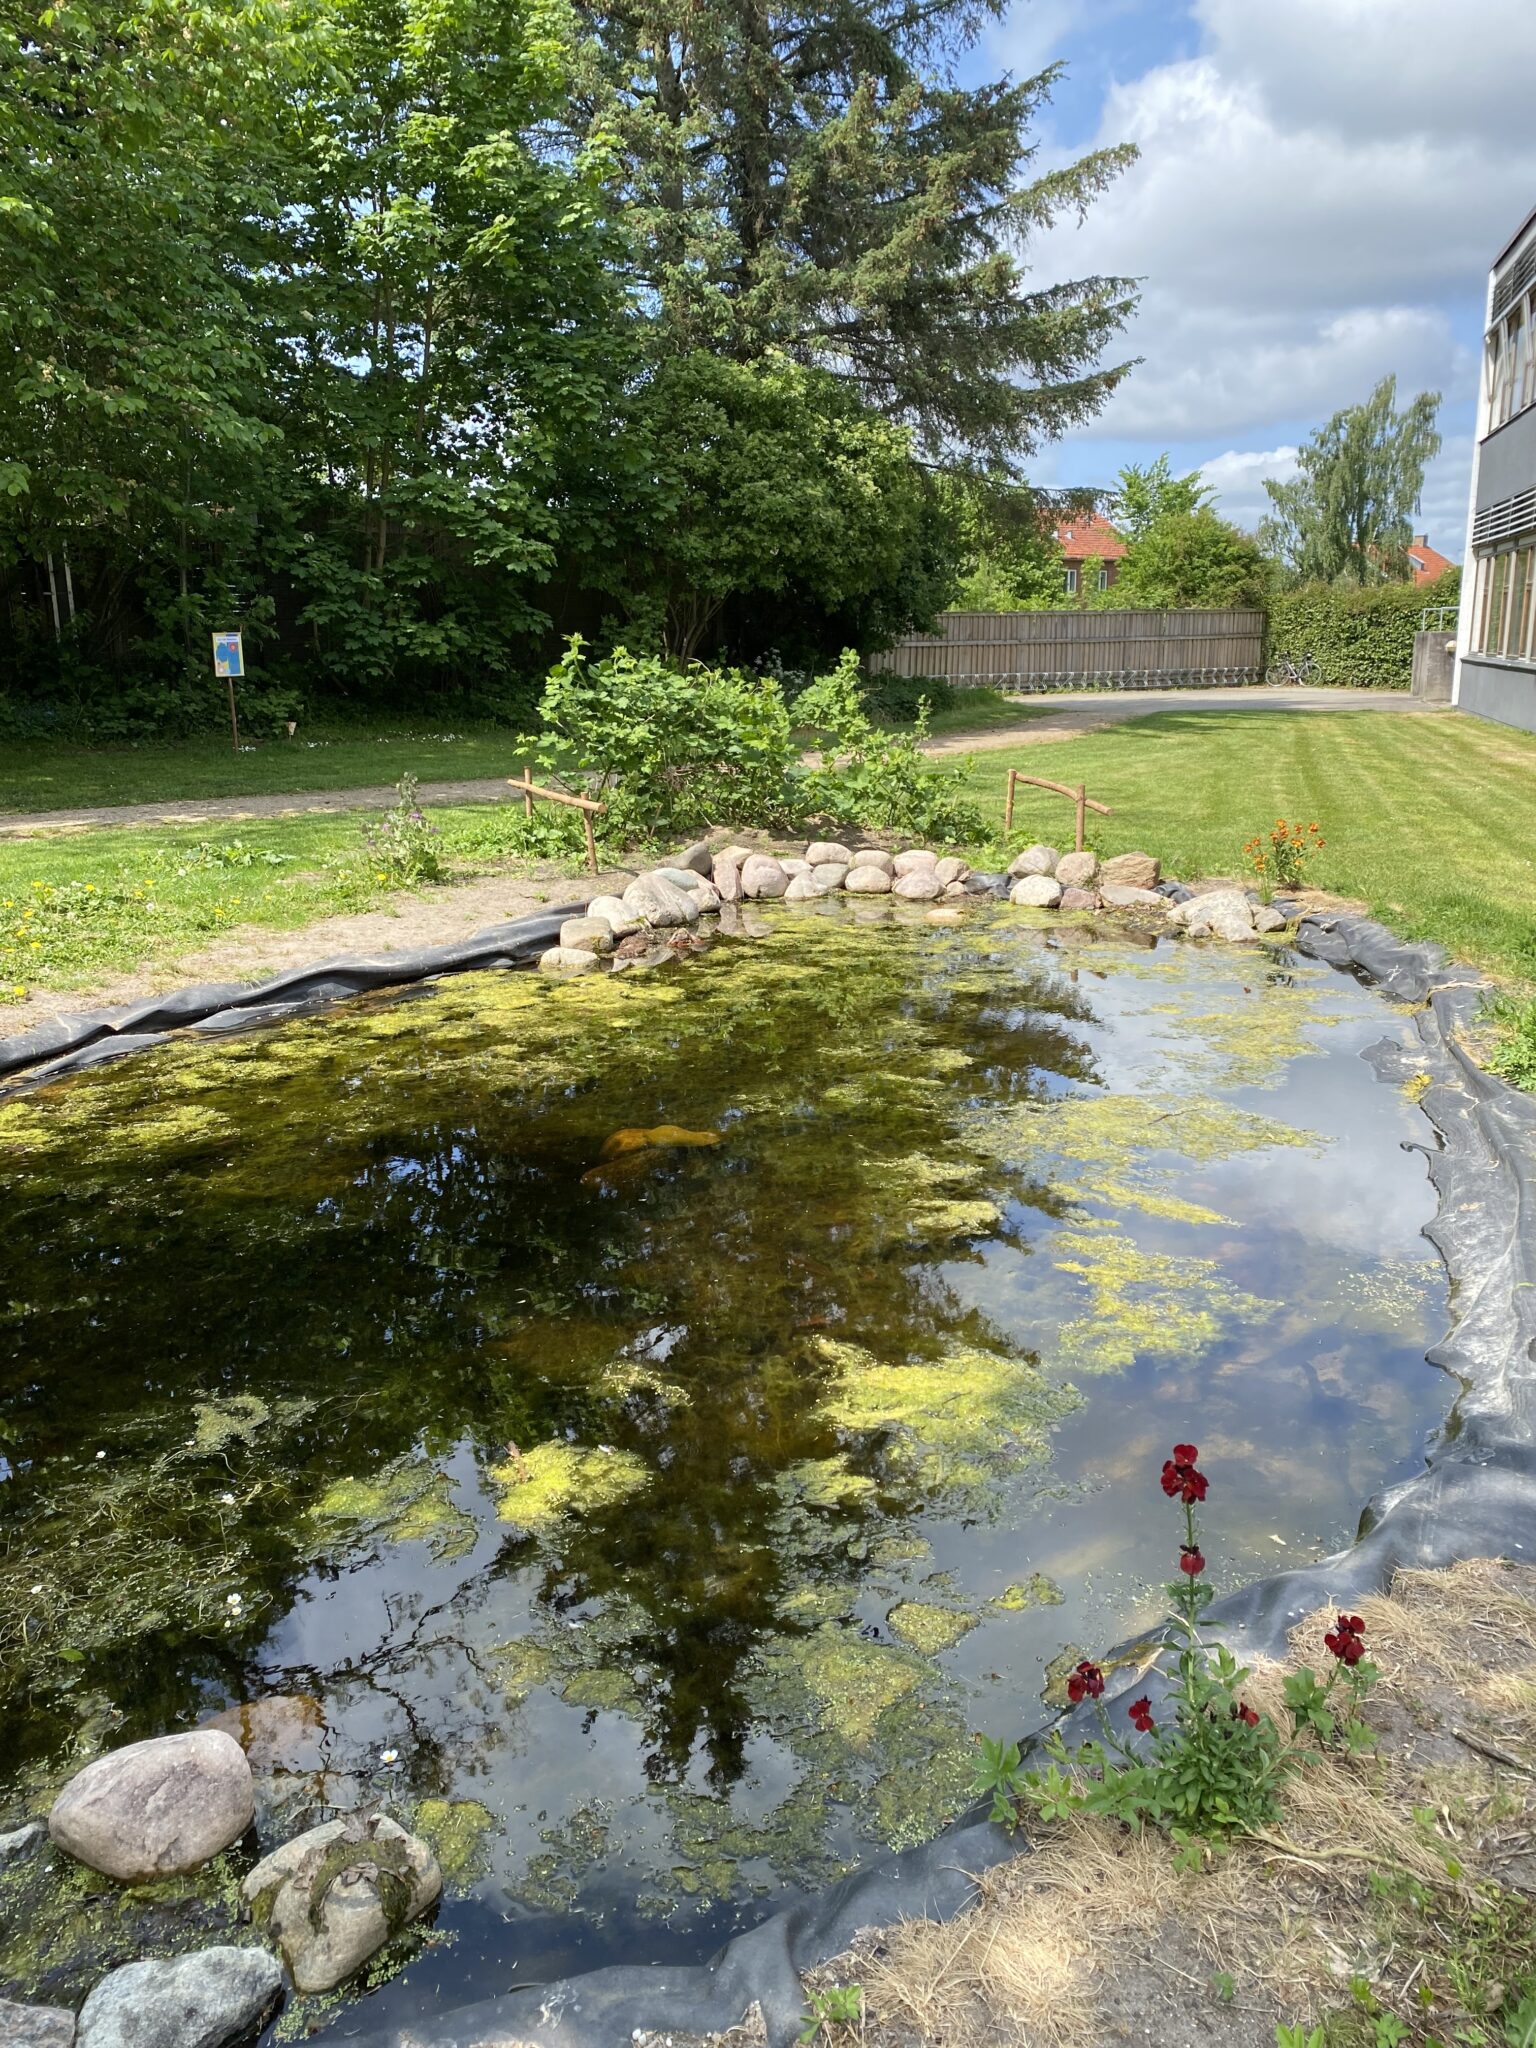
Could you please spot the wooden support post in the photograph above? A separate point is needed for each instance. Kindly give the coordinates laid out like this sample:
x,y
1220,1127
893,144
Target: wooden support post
x,y
586,819
527,791
1082,806
1013,776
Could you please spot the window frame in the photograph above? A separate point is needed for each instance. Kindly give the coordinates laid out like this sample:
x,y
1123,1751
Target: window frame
x,y
1069,583
1504,603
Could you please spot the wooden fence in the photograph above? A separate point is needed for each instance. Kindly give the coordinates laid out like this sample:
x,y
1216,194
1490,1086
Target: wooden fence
x,y
1135,650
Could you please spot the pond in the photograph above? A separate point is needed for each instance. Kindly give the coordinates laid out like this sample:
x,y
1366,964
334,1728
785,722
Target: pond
x,y
639,1428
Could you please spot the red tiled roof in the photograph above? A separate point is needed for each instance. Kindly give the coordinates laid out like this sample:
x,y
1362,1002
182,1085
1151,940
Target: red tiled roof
x,y
1427,563
1087,534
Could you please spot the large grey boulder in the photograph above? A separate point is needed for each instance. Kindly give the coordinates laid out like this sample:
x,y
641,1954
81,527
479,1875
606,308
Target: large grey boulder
x,y
1042,892
918,885
726,877
831,874
762,875
616,914
1079,899
913,860
1077,870
1132,871
35,2026
685,878
873,857
699,857
950,869
1121,896
331,1898
158,1808
1034,860
587,935
827,852
1267,919
658,902
805,889
566,960
1220,913
205,2000
868,880
18,1843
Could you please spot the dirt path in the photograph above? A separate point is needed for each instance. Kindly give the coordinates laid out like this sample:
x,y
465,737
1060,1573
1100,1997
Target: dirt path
x,y
252,953
1079,712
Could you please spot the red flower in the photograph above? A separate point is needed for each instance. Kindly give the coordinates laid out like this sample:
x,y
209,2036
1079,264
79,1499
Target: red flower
x,y
1141,1715
1180,1477
1241,1711
1345,1639
1190,1560
1085,1683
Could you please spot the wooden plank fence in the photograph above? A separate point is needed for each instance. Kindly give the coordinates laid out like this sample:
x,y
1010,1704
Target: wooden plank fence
x,y
1136,650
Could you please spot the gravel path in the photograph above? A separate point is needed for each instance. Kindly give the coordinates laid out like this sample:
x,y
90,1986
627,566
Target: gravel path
x,y
1076,713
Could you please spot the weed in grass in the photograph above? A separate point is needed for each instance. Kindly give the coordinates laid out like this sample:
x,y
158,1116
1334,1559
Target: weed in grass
x,y
1513,1054
841,2005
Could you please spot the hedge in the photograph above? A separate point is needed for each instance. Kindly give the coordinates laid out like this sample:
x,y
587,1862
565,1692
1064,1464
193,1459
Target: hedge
x,y
1356,639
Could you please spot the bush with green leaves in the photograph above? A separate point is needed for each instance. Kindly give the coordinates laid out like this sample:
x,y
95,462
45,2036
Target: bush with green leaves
x,y
670,750
400,848
1355,639
904,699
876,779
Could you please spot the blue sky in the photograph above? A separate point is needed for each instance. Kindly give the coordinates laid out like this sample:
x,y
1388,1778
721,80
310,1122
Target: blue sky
x,y
1321,189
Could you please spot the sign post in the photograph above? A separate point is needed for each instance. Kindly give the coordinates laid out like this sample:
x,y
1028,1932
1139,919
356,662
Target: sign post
x,y
229,662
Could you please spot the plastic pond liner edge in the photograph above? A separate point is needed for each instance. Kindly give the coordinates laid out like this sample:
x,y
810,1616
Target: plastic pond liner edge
x,y
1475,1498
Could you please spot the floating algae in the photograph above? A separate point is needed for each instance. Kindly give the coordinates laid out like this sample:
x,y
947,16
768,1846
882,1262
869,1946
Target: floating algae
x,y
791,1408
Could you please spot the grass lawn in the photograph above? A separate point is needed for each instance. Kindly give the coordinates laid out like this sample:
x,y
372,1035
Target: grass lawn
x,y
1431,821
77,907
988,711
42,775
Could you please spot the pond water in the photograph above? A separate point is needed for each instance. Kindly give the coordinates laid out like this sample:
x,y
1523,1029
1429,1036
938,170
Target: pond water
x,y
639,1428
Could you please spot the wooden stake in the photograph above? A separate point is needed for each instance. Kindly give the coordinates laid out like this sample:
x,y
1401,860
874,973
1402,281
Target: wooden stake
x,y
1013,776
1082,806
234,723
586,819
527,791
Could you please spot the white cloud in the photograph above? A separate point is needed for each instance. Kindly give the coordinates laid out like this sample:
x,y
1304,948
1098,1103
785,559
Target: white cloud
x,y
1320,192
1237,478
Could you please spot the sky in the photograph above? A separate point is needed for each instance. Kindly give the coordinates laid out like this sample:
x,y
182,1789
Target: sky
x,y
1322,187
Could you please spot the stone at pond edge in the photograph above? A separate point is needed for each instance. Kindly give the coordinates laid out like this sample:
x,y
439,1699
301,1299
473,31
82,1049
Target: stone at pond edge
x,y
685,878
762,875
205,2000
657,901
331,1898
1077,870
1267,919
1035,860
805,889
587,935
827,852
1125,896
35,2026
699,857
874,857
1041,891
615,913
868,881
157,1808
1079,899
569,960
18,1843
918,885
950,869
830,873
1132,871
726,876
913,860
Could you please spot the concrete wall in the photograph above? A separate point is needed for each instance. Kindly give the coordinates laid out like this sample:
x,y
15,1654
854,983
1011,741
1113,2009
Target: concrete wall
x,y
1506,462
1434,666
1498,689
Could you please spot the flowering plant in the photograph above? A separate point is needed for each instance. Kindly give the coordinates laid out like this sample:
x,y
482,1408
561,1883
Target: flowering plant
x,y
399,847
1214,1764
1279,858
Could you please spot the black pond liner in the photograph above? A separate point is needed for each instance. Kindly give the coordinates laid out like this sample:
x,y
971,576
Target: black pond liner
x,y
1475,1498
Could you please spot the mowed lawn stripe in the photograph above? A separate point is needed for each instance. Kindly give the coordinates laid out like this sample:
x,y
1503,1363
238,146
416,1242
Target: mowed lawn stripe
x,y
1429,820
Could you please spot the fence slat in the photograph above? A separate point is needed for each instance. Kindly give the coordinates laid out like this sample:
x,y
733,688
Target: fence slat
x,y
1055,650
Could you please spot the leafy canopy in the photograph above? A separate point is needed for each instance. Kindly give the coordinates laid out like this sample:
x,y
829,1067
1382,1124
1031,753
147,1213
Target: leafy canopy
x,y
1347,515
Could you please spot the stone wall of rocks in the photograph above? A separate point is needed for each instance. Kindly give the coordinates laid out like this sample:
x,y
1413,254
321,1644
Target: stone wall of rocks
x,y
1047,880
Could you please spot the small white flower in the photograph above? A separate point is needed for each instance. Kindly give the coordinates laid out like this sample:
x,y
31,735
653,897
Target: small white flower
x,y
234,1603
101,1454
389,1758
37,1589
228,1499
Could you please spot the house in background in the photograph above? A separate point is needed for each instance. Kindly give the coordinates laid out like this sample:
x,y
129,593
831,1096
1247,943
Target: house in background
x,y
1084,539
1496,631
1427,563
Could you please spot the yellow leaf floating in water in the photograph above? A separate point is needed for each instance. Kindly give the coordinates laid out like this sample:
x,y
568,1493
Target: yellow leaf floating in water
x,y
653,1140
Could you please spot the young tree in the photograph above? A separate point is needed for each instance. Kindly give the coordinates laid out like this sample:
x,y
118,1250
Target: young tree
x,y
1147,495
811,175
1348,515
1011,560
1192,559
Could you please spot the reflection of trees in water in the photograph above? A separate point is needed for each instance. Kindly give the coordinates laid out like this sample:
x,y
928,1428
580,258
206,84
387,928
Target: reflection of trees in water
x,y
424,1255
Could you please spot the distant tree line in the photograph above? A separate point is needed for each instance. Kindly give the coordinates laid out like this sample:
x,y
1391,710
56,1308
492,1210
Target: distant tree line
x,y
412,335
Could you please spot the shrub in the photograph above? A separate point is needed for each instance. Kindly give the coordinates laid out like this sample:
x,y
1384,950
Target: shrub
x,y
878,780
399,847
1356,639
901,698
670,750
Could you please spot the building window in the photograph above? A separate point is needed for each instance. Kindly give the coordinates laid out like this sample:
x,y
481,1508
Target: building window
x,y
1071,580
1103,575
1509,363
1504,607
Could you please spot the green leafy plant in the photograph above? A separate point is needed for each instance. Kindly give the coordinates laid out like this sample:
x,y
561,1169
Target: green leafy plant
x,y
669,749
1214,1770
1279,857
841,2005
1299,2037
401,846
1513,1055
876,779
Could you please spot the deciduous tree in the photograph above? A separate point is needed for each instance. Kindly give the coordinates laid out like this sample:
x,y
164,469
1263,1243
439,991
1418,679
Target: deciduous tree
x,y
1348,514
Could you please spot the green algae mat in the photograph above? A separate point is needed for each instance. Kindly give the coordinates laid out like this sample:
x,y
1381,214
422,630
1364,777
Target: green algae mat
x,y
637,1429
